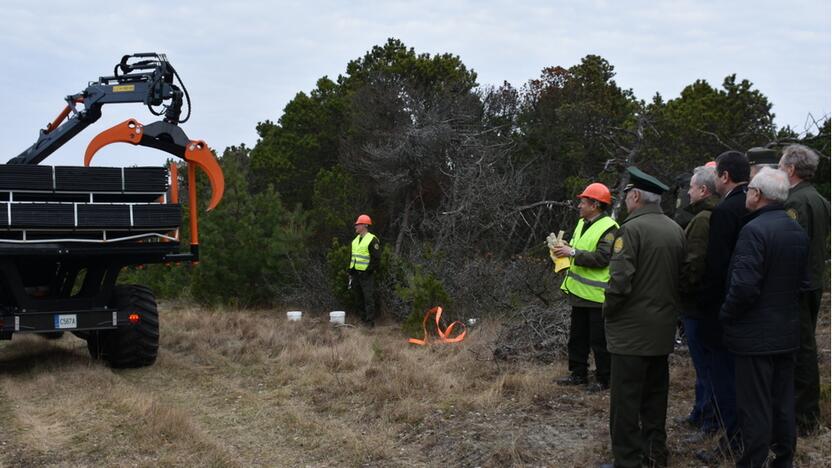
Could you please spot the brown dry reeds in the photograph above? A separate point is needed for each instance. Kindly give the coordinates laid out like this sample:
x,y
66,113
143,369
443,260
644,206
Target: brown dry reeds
x,y
249,388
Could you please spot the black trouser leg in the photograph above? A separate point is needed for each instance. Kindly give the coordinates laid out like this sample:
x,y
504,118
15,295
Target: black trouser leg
x,y
723,390
626,382
578,345
598,342
806,375
638,407
753,377
367,285
654,411
784,434
765,408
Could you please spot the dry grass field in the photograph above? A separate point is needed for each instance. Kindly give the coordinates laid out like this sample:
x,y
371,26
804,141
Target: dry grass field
x,y
246,388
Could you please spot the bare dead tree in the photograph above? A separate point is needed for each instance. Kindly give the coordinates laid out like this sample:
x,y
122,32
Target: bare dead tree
x,y
810,126
406,144
727,146
619,137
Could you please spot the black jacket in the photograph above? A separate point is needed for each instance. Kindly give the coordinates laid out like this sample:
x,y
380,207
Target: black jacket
x,y
760,314
726,221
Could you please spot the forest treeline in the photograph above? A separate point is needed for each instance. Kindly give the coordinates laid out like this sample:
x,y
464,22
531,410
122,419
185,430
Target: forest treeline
x,y
463,180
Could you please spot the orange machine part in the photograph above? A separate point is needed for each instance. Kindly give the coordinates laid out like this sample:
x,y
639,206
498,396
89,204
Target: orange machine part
x,y
192,204
174,192
174,182
60,118
197,152
129,131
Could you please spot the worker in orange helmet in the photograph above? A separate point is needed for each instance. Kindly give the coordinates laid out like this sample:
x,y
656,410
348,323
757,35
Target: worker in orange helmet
x,y
589,250
364,260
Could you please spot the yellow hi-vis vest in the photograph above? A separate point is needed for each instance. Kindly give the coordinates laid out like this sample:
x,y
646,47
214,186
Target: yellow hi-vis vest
x,y
584,282
360,259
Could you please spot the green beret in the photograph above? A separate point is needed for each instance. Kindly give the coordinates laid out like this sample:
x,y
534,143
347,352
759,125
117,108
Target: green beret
x,y
644,181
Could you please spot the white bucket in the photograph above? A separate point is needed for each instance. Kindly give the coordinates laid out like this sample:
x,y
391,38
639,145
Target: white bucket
x,y
337,317
294,315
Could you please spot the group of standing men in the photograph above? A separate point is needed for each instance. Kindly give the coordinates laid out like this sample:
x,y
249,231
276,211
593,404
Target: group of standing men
x,y
746,275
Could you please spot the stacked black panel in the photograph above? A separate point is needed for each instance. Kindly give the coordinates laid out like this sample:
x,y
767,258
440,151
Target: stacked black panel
x,y
68,198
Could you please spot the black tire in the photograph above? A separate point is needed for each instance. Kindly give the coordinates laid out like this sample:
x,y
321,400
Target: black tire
x,y
131,345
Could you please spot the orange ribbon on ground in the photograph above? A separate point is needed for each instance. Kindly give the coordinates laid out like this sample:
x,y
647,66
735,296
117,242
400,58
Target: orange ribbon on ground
x,y
444,335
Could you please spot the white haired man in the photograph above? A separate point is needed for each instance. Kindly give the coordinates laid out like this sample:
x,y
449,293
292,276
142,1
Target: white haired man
x,y
761,320
703,199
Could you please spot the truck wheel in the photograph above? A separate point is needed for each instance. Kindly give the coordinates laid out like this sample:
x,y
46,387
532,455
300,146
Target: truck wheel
x,y
130,345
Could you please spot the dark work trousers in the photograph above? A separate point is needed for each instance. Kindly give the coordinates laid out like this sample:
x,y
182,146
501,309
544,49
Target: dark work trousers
x,y
765,409
638,409
724,391
702,414
586,330
364,286
806,377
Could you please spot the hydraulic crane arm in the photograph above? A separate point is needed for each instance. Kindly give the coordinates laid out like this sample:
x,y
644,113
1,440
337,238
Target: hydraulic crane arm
x,y
146,78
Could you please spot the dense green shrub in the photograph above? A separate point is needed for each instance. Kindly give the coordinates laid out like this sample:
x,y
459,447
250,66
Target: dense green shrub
x,y
252,244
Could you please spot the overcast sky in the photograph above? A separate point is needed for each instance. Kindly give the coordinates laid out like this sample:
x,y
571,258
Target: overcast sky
x,y
242,61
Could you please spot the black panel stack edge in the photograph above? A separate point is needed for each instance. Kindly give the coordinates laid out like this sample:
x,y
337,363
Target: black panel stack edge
x,y
58,198
22,178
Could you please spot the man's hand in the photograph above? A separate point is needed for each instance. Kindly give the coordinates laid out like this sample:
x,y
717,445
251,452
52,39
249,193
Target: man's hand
x,y
563,251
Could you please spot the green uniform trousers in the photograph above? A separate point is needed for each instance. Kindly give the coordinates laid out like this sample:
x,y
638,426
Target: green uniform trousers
x,y
806,376
365,294
638,409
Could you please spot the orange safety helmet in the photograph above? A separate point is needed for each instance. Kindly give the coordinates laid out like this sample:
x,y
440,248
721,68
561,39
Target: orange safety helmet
x,y
364,219
597,191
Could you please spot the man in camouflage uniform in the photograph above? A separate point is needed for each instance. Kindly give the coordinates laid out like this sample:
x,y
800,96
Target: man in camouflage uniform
x,y
640,312
811,211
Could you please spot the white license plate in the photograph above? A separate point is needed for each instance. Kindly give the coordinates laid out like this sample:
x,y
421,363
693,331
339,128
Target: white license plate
x,y
66,321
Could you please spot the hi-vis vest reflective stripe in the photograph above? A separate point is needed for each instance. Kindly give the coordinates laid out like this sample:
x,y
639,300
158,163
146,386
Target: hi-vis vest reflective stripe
x,y
588,283
361,252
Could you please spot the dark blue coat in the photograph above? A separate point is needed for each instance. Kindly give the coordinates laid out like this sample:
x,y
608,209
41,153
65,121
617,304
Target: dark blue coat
x,y
761,314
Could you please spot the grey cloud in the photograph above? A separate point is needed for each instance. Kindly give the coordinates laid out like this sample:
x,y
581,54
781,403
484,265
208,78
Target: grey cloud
x,y
242,61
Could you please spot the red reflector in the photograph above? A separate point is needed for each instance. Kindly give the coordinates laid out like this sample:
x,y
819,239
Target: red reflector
x,y
134,318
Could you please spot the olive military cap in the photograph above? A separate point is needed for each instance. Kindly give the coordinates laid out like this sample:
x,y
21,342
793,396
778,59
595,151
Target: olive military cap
x,y
644,181
759,155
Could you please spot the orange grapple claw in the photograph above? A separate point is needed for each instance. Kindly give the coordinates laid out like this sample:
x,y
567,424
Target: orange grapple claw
x,y
169,138
129,131
198,153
